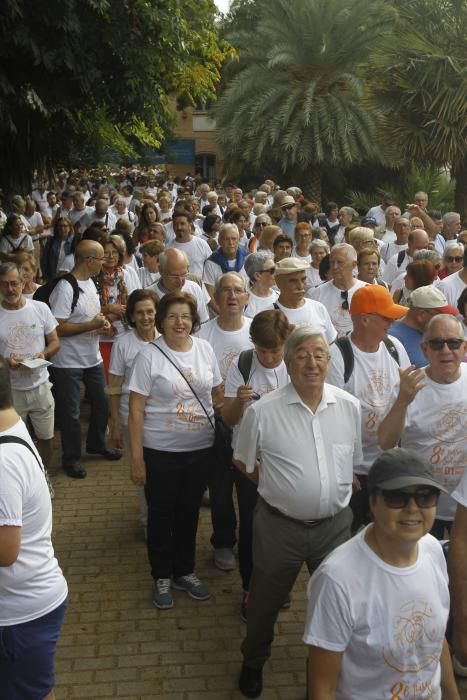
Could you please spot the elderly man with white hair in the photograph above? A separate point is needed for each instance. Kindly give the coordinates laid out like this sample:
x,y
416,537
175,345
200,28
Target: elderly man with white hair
x,y
229,257
288,444
449,231
336,294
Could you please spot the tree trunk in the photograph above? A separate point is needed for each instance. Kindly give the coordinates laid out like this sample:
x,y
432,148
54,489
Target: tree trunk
x,y
310,182
459,172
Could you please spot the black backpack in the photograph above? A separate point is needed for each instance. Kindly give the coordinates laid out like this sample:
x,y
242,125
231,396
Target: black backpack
x,y
43,292
345,346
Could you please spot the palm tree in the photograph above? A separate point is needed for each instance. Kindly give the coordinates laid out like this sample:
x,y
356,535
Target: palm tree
x,y
419,81
296,99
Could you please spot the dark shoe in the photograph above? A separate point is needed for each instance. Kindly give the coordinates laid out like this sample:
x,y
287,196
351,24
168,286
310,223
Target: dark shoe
x,y
75,471
191,584
162,597
287,602
250,683
244,608
108,453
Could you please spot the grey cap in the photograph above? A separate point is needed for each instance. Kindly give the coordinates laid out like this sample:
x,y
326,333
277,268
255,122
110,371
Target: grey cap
x,y
398,468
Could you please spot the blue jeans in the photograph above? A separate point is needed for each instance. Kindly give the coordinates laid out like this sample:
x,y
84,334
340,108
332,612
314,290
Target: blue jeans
x,y
66,391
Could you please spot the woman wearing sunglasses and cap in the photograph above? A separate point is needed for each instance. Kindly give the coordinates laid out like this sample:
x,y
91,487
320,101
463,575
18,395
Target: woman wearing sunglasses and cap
x,y
378,605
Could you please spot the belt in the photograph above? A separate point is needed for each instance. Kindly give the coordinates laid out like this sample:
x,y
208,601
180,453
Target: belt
x,y
307,523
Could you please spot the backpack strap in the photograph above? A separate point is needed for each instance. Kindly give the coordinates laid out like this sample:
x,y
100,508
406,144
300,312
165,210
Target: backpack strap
x,y
400,257
345,346
392,350
19,441
245,360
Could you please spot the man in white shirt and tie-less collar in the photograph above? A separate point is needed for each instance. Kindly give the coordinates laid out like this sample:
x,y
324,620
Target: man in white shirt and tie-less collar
x,y
304,479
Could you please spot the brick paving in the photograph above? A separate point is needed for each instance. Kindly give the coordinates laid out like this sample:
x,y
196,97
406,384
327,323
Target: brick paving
x,y
115,644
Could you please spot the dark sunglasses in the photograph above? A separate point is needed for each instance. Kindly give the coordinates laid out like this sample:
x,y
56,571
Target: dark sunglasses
x,y
270,270
424,498
454,258
289,206
438,343
345,300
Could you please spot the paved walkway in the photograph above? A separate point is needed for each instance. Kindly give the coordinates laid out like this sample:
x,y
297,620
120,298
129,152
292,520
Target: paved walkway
x,y
115,644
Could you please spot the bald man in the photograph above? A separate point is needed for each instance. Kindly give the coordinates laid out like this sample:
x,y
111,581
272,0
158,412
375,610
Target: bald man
x,y
76,306
173,266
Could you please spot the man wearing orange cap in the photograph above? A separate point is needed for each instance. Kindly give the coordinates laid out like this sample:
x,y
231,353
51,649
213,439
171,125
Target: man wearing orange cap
x,y
366,364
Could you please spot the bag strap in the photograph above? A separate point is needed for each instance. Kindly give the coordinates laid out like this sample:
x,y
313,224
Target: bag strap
x,y
345,346
245,360
392,350
191,388
343,343
400,257
19,441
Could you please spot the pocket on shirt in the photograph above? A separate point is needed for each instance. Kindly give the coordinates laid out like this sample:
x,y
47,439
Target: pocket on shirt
x,y
343,462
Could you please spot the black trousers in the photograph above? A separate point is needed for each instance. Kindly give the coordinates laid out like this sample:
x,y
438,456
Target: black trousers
x,y
175,483
247,496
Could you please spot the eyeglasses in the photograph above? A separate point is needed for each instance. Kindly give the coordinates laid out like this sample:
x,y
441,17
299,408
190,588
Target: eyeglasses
x,y
270,269
14,284
99,259
345,300
438,343
177,317
454,258
232,290
111,254
424,498
260,223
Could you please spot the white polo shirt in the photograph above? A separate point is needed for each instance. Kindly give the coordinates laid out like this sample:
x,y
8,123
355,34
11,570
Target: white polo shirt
x,y
307,458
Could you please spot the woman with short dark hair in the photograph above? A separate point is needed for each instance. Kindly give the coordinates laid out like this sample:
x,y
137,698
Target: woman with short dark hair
x,y
174,388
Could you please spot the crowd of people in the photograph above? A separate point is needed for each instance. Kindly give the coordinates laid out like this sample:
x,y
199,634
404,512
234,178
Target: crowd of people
x,y
313,362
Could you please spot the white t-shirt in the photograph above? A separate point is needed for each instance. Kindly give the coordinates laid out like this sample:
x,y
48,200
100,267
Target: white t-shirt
x,y
377,213
435,427
452,287
227,345
197,252
261,379
77,214
329,295
82,350
124,351
391,248
388,237
389,622
312,313
92,217
375,383
173,418
256,304
393,270
22,333
312,277
33,585
212,271
306,458
9,244
146,278
460,493
200,294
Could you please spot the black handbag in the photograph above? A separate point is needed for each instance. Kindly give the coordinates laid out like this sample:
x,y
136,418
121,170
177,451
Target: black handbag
x,y
222,433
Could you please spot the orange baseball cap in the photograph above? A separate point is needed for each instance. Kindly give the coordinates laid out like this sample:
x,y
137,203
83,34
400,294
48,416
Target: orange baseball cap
x,y
375,299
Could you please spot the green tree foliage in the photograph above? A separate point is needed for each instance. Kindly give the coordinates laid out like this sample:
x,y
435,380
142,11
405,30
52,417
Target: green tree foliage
x,y
296,99
437,184
78,76
418,80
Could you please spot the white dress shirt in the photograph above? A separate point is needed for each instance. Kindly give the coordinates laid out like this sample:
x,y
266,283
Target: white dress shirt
x,y
306,458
